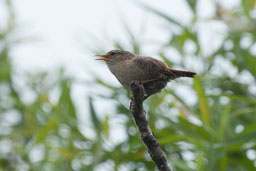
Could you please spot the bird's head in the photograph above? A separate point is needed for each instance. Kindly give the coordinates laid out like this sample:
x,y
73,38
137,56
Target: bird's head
x,y
116,56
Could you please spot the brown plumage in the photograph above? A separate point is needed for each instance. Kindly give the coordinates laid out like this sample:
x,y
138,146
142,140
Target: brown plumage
x,y
153,74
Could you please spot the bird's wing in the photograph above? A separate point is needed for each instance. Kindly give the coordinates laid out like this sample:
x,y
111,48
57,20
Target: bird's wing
x,y
152,66
150,62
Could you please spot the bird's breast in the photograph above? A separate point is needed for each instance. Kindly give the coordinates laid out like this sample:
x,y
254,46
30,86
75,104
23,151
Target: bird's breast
x,y
125,72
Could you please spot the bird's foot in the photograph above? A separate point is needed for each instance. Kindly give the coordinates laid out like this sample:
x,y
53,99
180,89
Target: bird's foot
x,y
140,84
131,105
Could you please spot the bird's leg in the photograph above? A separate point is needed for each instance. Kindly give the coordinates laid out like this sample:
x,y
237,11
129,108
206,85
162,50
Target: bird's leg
x,y
141,85
131,104
144,82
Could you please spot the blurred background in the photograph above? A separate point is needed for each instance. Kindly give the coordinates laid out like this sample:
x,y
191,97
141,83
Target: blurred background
x,y
62,110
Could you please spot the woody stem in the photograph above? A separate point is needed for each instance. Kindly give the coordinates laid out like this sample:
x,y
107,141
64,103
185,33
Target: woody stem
x,y
147,136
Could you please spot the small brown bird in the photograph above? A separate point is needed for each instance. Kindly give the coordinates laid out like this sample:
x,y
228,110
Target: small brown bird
x,y
151,73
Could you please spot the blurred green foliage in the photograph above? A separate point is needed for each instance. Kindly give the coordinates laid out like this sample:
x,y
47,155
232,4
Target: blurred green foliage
x,y
217,132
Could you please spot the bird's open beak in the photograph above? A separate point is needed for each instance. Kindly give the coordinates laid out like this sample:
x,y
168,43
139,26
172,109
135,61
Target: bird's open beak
x,y
103,57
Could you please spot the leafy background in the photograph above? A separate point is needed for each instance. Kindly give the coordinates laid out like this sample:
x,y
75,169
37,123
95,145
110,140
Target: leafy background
x,y
215,132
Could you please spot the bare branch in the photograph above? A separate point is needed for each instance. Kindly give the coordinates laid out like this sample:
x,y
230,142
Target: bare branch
x,y
147,136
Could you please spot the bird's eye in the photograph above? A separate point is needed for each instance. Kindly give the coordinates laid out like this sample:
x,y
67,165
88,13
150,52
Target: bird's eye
x,y
112,53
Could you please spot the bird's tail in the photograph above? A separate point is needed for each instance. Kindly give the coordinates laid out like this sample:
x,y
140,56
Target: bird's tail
x,y
179,73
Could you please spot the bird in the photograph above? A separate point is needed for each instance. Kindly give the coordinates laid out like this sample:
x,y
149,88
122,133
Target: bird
x,y
152,74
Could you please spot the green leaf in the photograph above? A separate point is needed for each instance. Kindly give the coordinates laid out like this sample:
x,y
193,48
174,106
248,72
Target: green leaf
x,y
239,98
203,101
5,65
172,138
243,111
65,101
94,117
181,165
198,135
250,128
189,108
251,62
248,5
178,41
133,40
225,118
164,58
105,126
101,82
192,4
162,15
43,132
118,45
224,163
236,142
199,160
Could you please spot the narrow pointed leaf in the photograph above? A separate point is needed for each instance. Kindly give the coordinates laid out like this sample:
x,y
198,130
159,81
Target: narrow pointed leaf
x,y
203,101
